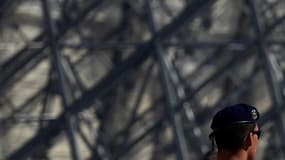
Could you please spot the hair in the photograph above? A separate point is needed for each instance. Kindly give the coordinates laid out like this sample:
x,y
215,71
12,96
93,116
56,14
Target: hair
x,y
232,137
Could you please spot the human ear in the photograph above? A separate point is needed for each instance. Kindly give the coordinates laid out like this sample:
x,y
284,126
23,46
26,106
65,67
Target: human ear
x,y
248,142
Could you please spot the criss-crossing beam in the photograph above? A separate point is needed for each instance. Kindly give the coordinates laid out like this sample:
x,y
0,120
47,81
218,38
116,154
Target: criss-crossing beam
x,y
44,138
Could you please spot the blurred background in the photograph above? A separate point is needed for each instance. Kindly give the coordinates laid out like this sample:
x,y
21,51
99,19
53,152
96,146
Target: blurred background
x,y
136,79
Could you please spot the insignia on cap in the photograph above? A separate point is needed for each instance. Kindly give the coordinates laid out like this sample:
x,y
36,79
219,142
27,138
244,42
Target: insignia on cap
x,y
254,114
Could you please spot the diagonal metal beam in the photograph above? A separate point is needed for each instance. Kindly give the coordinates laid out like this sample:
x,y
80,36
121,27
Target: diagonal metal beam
x,y
44,138
170,98
56,61
26,55
273,83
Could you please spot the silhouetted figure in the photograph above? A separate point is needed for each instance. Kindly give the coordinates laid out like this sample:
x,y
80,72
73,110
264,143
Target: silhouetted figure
x,y
236,132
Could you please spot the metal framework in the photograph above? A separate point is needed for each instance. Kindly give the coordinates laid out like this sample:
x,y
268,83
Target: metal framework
x,y
137,80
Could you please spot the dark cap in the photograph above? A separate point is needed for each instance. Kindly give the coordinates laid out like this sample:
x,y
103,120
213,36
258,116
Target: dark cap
x,y
235,114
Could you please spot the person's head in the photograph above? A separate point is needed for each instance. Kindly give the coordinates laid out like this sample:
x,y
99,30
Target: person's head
x,y
235,128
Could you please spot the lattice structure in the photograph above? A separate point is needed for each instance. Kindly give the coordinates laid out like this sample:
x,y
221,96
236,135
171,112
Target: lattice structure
x,y
124,79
